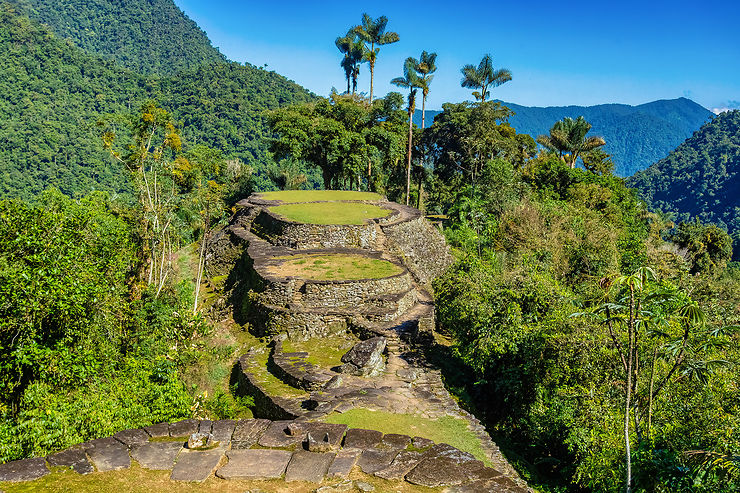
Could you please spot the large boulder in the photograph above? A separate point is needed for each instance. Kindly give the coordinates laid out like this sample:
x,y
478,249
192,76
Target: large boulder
x,y
365,358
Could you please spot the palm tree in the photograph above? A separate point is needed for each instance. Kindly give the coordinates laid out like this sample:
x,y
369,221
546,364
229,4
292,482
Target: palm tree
x,y
353,49
425,67
372,31
569,135
483,76
410,81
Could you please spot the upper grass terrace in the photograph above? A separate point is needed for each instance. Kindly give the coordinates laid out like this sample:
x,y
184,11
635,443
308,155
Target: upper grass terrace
x,y
290,196
342,207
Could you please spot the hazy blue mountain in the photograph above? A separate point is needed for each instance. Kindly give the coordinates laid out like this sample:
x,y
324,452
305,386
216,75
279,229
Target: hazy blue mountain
x,y
701,177
637,136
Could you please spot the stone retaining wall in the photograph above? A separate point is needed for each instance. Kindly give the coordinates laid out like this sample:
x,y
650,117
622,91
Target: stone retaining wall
x,y
265,405
301,236
420,246
260,449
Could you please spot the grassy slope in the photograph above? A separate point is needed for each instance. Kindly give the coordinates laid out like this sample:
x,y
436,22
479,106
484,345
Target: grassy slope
x,y
330,212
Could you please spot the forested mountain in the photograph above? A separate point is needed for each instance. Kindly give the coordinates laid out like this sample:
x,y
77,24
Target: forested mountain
x,y
148,36
701,178
55,93
636,136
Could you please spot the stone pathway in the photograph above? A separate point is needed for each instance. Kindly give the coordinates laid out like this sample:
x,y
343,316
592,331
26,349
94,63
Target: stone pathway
x,y
259,449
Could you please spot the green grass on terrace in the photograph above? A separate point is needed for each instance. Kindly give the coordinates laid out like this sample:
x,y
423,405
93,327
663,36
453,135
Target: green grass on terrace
x,y
330,212
325,352
450,430
314,195
334,267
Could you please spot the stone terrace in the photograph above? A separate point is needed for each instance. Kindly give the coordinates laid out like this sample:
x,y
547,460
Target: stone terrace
x,y
259,449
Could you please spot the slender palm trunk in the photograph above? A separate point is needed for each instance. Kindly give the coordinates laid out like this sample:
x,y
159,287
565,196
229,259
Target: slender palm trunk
x,y
408,163
372,71
423,110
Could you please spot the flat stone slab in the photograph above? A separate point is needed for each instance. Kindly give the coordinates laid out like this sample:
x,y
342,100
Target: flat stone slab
x,y
247,432
496,485
205,426
277,436
158,430
23,470
373,460
363,439
158,456
76,458
320,430
444,465
195,465
395,441
184,428
343,463
255,464
308,466
401,465
421,442
223,430
109,456
131,438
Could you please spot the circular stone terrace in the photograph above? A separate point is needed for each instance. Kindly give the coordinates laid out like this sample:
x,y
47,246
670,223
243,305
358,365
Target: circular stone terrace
x,y
327,207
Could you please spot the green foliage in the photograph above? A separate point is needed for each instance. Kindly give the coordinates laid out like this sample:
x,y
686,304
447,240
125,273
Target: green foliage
x,y
72,340
152,36
708,247
699,178
55,93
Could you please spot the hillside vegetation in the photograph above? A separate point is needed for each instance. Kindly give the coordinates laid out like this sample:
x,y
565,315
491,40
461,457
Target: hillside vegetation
x,y
150,37
701,177
55,93
636,136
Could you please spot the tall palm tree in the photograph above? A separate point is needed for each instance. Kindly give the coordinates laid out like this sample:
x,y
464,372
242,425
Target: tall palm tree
x,y
569,135
372,32
353,50
410,81
425,67
483,76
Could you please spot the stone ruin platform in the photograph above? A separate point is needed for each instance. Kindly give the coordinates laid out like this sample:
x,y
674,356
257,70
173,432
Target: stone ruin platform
x,y
260,449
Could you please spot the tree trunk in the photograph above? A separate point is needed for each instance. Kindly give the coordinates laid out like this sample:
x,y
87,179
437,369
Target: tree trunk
x,y
372,72
423,110
408,163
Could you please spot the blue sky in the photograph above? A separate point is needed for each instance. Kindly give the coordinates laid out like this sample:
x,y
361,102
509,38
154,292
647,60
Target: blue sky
x,y
560,53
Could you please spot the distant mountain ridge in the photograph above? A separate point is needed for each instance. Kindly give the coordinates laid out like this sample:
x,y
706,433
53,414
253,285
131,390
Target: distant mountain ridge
x,y
147,36
701,177
636,136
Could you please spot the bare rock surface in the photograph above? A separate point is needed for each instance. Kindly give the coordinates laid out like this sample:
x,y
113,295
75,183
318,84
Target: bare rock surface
x,y
308,466
195,465
255,464
76,458
373,460
131,438
23,470
343,463
247,432
108,455
362,439
184,428
157,456
158,430
365,358
401,465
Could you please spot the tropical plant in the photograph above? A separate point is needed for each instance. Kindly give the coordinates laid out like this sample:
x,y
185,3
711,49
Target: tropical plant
x,y
372,32
569,136
353,50
483,77
411,82
425,66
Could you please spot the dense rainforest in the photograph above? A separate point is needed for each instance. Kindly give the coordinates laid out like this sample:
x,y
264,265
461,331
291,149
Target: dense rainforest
x,y
56,93
636,136
597,341
701,177
153,37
